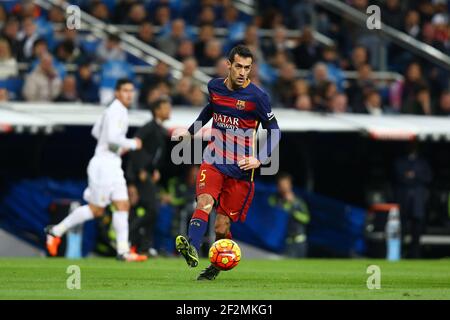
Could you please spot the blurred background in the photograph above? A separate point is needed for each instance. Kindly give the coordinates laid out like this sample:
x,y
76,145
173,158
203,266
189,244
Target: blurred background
x,y
365,152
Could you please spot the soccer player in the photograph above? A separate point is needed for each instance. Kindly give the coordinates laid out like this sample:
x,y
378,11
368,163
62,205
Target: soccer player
x,y
106,182
225,179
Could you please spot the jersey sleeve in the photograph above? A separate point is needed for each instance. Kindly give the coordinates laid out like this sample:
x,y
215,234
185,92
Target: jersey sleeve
x,y
268,122
265,113
115,133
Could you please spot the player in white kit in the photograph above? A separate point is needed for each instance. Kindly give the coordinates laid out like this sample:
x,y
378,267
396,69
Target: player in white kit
x,y
106,182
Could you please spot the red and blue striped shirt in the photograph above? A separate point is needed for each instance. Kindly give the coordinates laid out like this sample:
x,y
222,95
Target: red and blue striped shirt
x,y
236,117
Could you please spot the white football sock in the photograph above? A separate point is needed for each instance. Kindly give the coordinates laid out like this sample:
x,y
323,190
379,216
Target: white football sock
x,y
76,217
120,224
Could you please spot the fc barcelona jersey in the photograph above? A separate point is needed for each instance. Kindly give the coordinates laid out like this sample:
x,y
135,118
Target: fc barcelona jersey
x,y
236,117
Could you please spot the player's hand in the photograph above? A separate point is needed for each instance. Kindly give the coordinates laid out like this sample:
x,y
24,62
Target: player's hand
x,y
290,197
143,175
156,176
123,151
180,134
138,143
249,163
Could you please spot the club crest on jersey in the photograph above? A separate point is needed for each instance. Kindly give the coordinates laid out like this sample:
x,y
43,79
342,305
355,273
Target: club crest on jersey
x,y
240,105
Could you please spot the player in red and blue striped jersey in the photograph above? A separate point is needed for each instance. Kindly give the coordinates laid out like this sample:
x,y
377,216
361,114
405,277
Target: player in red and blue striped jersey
x,y
225,179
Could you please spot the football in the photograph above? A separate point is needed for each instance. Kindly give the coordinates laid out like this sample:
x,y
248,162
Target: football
x,y
225,254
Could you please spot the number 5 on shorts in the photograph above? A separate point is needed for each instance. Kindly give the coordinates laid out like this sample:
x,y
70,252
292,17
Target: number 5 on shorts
x,y
202,175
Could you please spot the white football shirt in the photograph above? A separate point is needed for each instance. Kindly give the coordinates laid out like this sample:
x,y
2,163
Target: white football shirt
x,y
110,131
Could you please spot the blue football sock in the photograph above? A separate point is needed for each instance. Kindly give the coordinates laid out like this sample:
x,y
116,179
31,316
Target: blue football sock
x,y
197,230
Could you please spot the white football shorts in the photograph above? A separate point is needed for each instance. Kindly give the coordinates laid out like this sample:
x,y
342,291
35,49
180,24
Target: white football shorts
x,y
106,182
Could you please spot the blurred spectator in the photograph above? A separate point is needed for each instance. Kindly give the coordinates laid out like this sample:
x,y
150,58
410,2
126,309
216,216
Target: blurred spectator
x,y
230,17
190,65
421,104
4,96
331,59
392,13
338,103
307,51
301,87
359,87
197,97
136,15
56,15
182,93
412,177
443,108
359,57
110,50
145,34
69,90
169,43
26,9
296,208
428,37
122,8
319,85
66,52
43,83
162,16
441,25
414,92
161,72
185,50
373,104
271,18
27,36
100,11
3,16
143,167
251,40
87,87
283,86
206,16
213,52
11,33
205,34
303,103
40,47
412,23
221,68
72,36
8,64
279,42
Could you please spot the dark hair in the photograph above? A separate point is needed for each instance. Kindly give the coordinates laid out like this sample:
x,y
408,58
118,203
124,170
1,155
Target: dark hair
x,y
242,51
121,82
113,37
157,104
283,175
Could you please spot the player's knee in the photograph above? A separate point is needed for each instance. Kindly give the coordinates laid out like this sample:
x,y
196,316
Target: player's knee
x,y
205,202
97,211
122,206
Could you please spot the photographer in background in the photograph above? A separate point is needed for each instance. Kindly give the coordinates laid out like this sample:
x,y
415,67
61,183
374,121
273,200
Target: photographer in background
x,y
297,209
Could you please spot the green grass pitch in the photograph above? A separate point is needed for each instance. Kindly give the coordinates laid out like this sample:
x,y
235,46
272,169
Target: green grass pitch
x,y
170,278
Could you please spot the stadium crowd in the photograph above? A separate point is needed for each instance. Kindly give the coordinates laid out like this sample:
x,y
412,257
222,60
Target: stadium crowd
x,y
187,31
